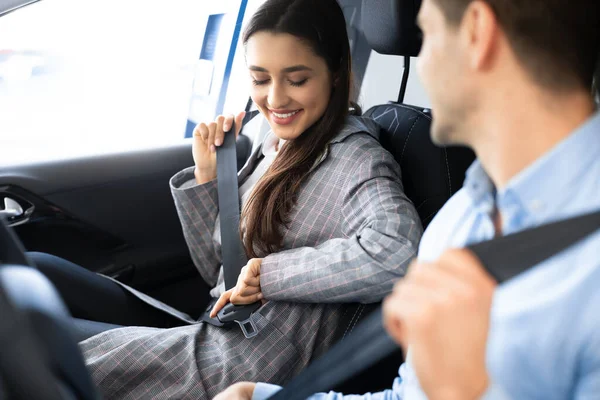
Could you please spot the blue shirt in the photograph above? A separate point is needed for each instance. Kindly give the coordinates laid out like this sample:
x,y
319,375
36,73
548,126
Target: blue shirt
x,y
544,339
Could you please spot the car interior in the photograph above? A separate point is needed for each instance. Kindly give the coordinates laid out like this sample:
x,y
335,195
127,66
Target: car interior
x,y
114,214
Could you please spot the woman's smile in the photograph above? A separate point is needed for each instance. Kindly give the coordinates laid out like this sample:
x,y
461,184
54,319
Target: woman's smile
x,y
284,117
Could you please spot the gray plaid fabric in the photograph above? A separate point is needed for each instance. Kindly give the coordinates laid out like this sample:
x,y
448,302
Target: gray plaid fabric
x,y
352,235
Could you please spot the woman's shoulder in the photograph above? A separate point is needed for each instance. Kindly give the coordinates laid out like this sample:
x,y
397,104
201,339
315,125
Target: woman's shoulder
x,y
357,146
359,138
356,127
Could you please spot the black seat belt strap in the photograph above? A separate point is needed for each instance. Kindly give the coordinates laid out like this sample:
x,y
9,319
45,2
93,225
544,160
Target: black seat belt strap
x,y
233,253
232,249
507,256
503,257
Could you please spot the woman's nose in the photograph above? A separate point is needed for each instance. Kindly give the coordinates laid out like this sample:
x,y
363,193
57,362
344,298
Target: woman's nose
x,y
277,97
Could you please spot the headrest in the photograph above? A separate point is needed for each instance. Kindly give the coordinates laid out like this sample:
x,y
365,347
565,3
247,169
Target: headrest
x,y
390,26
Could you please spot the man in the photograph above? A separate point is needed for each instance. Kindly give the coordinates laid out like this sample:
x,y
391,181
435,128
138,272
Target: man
x,y
511,79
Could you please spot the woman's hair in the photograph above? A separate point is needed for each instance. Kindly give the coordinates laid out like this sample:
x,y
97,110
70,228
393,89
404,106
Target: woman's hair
x,y
321,25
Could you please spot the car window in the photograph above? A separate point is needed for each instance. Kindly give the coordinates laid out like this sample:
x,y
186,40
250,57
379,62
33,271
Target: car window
x,y
79,78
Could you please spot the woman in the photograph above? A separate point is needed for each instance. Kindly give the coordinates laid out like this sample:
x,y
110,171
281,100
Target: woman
x,y
324,219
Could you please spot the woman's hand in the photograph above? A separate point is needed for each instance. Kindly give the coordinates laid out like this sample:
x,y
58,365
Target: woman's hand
x,y
239,391
246,291
207,137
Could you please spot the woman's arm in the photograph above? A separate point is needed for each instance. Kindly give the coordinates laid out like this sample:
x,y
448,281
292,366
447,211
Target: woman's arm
x,y
382,231
197,207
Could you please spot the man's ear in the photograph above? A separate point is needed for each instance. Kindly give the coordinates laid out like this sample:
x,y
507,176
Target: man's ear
x,y
480,31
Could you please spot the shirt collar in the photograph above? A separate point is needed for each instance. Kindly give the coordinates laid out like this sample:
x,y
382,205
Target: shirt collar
x,y
480,188
269,147
542,188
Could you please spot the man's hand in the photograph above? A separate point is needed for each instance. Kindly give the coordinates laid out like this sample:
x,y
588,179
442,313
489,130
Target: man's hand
x,y
246,291
239,391
442,312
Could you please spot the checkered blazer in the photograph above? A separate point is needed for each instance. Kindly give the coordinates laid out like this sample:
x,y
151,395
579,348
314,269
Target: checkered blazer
x,y
352,234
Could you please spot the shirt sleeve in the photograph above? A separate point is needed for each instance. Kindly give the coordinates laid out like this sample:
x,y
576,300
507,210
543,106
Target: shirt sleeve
x,y
263,391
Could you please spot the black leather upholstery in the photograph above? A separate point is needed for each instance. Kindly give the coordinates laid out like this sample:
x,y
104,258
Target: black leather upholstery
x,y
430,174
390,26
85,329
49,348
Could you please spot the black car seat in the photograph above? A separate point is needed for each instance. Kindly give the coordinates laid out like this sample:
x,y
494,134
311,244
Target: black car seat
x,y
39,358
430,174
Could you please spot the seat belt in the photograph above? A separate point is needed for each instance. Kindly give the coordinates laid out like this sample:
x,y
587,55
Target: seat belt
x,y
232,249
504,258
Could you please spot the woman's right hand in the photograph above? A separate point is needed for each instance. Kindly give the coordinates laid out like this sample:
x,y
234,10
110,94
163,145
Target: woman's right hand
x,y
207,137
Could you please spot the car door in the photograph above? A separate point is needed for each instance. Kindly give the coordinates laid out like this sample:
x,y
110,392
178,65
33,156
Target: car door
x,y
95,102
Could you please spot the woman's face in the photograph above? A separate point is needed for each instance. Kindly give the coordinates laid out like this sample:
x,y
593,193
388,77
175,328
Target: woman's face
x,y
290,85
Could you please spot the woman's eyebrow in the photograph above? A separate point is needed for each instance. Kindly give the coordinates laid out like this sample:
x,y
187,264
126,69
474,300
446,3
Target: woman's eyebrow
x,y
294,68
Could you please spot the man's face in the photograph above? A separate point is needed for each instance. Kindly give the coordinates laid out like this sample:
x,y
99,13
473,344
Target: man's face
x,y
442,67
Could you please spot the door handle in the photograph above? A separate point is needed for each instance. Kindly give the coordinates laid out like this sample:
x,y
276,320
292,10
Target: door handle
x,y
12,209
14,214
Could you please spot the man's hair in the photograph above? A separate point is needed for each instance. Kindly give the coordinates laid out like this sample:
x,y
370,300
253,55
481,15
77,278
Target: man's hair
x,y
557,41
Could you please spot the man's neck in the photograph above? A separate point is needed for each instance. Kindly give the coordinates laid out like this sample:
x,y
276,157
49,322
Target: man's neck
x,y
515,134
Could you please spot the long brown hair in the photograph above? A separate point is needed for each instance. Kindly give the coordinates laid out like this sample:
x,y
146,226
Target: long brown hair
x,y
321,25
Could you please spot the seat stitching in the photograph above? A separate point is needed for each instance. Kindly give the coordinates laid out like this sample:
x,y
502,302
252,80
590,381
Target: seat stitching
x,y
350,325
422,203
383,113
421,113
361,308
407,139
448,169
392,106
431,215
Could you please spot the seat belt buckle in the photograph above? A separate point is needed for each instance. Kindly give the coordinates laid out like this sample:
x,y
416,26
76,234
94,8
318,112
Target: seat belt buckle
x,y
242,315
